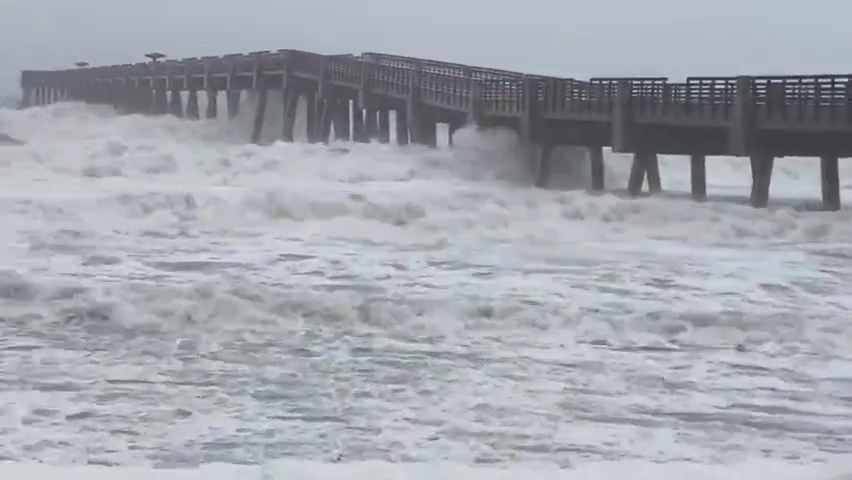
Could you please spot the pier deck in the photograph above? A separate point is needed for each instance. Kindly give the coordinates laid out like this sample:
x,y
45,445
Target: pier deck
x,y
760,117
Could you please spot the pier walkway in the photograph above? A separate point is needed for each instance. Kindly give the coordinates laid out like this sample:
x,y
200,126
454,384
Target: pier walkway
x,y
351,96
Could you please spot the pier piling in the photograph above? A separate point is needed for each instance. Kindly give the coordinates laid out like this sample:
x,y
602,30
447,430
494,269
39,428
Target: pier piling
x,y
698,176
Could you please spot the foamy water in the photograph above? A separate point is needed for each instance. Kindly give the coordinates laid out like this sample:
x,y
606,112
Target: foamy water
x,y
172,297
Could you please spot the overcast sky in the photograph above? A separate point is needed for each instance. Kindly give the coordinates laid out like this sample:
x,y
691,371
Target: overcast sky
x,y
556,37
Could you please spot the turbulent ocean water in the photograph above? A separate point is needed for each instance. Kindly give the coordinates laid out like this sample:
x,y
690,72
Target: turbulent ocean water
x,y
176,303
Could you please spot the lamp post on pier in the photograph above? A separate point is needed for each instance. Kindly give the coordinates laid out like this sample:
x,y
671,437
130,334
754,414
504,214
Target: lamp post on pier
x,y
155,56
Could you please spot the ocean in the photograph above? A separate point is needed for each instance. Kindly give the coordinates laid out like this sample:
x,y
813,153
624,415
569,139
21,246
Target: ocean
x,y
176,303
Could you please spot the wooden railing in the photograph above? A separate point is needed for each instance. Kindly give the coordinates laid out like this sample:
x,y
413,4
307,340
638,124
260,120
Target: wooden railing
x,y
820,100
439,68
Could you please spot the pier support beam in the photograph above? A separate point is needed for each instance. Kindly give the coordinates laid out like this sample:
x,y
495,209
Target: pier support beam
x,y
652,172
311,122
129,98
384,126
596,163
146,99
761,177
192,112
260,111
233,97
830,173
359,129
175,103
645,164
542,173
342,128
371,123
212,104
401,127
291,106
428,129
415,123
326,118
161,101
698,176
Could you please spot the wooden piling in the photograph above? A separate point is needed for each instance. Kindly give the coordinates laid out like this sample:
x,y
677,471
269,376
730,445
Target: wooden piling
x,y
359,129
212,104
596,161
371,123
698,176
233,98
175,103
259,113
645,165
192,112
383,125
146,99
311,121
761,175
326,114
652,172
290,102
544,164
161,102
637,175
401,126
342,127
428,129
830,175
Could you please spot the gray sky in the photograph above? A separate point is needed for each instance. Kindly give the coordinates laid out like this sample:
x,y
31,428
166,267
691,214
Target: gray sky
x,y
557,37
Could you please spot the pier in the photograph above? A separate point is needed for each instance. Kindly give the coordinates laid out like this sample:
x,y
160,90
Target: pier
x,y
350,97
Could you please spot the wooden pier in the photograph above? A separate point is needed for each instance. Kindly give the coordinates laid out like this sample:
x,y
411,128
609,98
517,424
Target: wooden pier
x,y
760,117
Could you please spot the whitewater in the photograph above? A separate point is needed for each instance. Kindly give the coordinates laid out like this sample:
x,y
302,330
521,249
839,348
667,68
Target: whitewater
x,y
176,303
